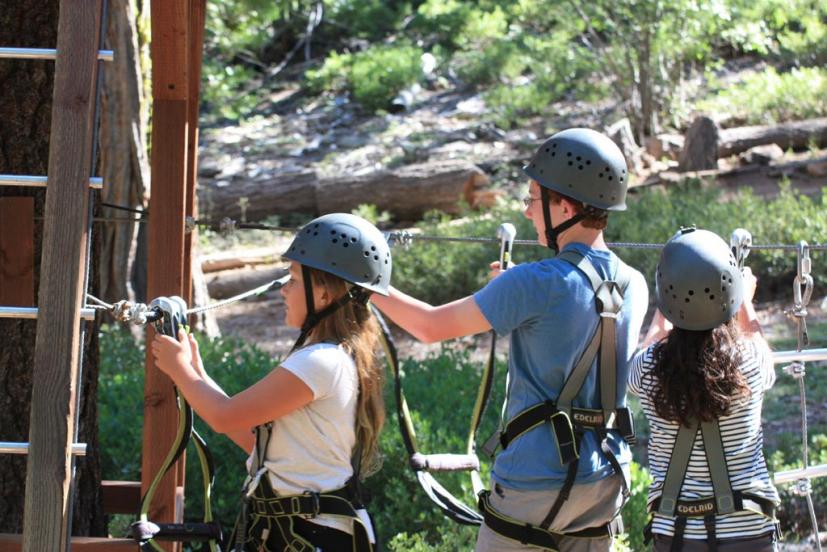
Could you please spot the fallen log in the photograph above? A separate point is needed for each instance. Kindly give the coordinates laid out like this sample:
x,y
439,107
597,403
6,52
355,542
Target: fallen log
x,y
795,135
228,283
227,260
407,192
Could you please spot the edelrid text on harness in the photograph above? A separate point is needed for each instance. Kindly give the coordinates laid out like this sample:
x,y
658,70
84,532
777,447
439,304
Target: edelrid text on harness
x,y
169,315
725,500
568,423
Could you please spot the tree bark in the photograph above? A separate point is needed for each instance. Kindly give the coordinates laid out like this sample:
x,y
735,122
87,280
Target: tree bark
x,y
407,192
700,150
123,150
25,109
795,134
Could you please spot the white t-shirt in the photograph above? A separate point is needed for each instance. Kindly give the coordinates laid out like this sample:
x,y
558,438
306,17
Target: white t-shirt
x,y
742,438
310,448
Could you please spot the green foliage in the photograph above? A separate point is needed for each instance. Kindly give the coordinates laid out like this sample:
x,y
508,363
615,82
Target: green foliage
x,y
370,212
635,514
770,97
438,272
374,76
440,391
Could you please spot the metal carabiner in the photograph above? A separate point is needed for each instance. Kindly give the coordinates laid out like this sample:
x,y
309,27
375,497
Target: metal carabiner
x,y
740,241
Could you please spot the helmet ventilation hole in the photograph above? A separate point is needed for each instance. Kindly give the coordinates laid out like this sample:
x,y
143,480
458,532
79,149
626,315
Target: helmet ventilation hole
x,y
367,253
571,163
580,167
335,240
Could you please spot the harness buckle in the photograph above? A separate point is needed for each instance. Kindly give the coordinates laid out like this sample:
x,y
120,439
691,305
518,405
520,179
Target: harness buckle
x,y
314,502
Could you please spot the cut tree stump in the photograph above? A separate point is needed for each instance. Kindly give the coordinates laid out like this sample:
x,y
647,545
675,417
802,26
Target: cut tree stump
x,y
700,150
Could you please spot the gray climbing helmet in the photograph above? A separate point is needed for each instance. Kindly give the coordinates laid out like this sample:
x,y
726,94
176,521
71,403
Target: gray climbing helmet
x,y
584,165
698,282
346,246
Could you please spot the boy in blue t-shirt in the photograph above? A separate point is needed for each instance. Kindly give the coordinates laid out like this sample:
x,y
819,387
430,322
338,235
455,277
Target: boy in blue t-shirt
x,y
549,310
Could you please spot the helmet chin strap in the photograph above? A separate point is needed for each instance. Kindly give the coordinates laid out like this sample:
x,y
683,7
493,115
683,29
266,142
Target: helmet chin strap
x,y
312,319
552,232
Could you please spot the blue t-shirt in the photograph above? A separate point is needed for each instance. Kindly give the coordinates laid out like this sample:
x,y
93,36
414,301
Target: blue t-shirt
x,y
548,308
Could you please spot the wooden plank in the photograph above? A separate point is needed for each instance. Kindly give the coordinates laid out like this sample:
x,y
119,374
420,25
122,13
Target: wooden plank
x,y
164,277
14,543
169,49
196,46
121,497
17,251
63,266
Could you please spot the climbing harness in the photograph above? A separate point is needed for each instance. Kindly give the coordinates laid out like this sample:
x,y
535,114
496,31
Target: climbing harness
x,y
169,315
352,249
424,465
272,523
725,500
568,424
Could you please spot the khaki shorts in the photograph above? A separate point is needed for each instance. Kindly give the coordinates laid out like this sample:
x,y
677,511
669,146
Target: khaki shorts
x,y
589,505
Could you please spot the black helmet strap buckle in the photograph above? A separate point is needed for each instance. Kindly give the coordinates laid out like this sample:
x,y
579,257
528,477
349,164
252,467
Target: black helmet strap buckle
x,y
553,231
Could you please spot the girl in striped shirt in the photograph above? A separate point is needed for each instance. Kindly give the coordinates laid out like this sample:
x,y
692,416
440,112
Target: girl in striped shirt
x,y
705,360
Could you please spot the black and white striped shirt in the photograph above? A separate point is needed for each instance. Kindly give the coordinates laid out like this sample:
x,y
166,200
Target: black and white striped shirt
x,y
743,443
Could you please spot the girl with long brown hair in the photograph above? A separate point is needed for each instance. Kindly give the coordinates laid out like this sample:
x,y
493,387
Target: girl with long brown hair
x,y
701,378
316,418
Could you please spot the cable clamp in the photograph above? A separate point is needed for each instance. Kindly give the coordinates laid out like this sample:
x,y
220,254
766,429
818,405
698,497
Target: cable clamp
x,y
796,370
227,226
802,487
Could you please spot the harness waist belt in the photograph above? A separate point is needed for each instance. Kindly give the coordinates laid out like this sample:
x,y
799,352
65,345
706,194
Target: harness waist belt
x,y
703,507
534,535
339,503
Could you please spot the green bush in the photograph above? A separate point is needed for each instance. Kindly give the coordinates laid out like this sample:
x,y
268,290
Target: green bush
x,y
374,76
771,97
438,272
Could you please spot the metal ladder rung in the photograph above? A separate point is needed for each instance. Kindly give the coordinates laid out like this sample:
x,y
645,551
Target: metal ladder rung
x,y
45,53
6,447
791,476
807,355
96,182
30,313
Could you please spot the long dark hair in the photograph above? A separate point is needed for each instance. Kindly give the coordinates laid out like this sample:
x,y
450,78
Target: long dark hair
x,y
697,375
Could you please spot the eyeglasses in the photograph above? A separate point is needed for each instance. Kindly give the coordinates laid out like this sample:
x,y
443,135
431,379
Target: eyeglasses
x,y
528,200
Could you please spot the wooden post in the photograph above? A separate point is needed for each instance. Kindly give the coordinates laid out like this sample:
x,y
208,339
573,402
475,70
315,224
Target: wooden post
x,y
167,239
17,251
46,519
196,46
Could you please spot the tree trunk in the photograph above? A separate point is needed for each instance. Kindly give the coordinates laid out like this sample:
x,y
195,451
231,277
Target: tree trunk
x,y
407,192
123,150
25,108
795,134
